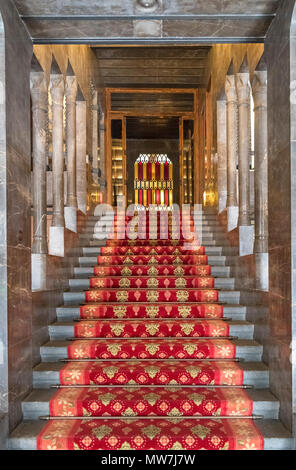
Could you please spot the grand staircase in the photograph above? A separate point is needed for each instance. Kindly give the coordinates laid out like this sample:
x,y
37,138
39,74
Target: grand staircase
x,y
152,350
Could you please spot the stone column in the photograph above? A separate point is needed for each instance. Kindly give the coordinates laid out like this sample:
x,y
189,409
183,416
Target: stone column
x,y
81,179
232,128
56,233
259,86
102,152
222,151
94,121
246,231
71,93
39,97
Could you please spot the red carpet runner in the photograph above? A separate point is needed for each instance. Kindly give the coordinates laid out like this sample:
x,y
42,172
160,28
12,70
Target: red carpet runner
x,y
160,434
153,289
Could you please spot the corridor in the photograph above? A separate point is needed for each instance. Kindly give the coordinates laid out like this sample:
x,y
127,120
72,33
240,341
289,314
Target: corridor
x,y
147,228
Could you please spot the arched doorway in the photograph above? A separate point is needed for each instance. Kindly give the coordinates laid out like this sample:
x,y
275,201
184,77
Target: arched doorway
x,y
153,181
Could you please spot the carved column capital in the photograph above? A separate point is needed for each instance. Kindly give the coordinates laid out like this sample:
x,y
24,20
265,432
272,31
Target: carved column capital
x,y
93,92
39,95
243,88
259,88
230,89
94,98
57,89
38,85
71,89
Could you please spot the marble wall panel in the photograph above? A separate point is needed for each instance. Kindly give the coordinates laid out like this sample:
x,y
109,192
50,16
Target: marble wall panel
x,y
59,270
281,158
117,7
15,252
243,28
68,29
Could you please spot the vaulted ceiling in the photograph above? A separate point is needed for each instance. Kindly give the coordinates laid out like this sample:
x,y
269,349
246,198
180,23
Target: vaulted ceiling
x,y
142,21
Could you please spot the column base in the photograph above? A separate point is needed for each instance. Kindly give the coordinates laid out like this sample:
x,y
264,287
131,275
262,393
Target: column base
x,y
38,267
82,208
262,271
71,218
38,272
222,203
56,241
232,217
246,240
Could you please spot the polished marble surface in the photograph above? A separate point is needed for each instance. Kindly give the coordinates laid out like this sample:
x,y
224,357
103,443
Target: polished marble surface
x,y
117,7
254,18
15,293
281,182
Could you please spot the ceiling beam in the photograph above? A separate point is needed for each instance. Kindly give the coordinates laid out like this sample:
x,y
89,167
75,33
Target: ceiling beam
x,y
205,17
136,8
148,87
194,53
90,41
134,72
143,81
148,63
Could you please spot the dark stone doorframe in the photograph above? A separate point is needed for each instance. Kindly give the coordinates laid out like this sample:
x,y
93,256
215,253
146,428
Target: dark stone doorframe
x,y
3,250
280,50
293,204
15,218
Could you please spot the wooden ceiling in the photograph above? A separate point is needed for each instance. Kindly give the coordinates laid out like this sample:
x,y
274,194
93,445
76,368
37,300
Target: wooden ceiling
x,y
146,21
154,67
152,128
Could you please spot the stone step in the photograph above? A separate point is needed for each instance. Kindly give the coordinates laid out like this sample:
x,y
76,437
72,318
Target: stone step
x,y
111,216
224,296
86,243
247,350
220,283
206,227
210,250
202,231
107,215
46,374
206,240
216,271
218,260
66,312
276,436
64,330
37,403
